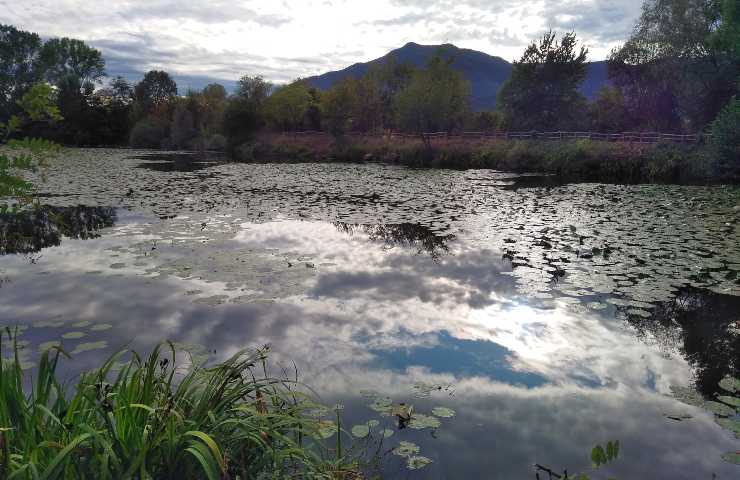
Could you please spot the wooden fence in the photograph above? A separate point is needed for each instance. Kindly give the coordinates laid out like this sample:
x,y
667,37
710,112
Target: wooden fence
x,y
630,137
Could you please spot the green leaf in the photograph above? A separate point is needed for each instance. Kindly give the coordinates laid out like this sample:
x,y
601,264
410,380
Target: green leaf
x,y
598,456
729,424
417,462
730,384
734,401
719,409
360,431
61,456
406,449
732,457
443,412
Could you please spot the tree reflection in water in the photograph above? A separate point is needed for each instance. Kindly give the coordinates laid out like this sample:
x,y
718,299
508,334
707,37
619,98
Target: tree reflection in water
x,y
31,231
705,328
410,235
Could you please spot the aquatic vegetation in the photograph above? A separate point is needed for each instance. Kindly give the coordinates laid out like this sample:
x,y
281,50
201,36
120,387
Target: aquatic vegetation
x,y
218,422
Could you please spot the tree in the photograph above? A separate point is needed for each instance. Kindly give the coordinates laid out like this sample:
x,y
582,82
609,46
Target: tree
x,y
154,93
608,111
61,57
677,70
287,107
255,89
19,52
389,79
542,92
436,98
725,144
337,105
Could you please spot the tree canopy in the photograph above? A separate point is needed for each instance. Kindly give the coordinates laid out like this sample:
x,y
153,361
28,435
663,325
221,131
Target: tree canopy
x,y
542,92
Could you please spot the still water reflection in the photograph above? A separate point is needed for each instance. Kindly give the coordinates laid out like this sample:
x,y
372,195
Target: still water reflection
x,y
553,320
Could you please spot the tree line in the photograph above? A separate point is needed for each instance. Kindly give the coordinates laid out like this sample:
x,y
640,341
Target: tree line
x,y
678,72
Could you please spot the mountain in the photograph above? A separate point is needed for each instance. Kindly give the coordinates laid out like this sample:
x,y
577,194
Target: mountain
x,y
486,73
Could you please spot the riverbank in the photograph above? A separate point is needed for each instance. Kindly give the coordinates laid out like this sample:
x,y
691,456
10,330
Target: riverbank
x,y
577,160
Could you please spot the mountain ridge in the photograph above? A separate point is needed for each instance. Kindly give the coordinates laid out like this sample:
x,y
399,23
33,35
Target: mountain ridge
x,y
485,72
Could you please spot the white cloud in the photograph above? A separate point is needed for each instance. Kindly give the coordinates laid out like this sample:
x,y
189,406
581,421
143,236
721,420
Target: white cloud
x,y
289,38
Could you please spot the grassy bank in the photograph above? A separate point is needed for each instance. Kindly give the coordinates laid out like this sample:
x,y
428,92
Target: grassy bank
x,y
569,159
150,418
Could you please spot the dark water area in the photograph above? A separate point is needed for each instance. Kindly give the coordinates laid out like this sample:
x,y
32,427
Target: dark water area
x,y
548,317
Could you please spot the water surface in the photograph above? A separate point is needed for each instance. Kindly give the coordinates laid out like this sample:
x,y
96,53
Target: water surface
x,y
549,317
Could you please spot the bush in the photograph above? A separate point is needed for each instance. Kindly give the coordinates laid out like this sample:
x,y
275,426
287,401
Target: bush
x,y
216,142
149,133
725,145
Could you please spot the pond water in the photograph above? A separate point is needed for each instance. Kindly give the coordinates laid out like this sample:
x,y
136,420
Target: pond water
x,y
549,318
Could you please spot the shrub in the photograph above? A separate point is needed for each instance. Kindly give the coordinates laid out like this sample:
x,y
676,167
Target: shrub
x,y
725,145
149,133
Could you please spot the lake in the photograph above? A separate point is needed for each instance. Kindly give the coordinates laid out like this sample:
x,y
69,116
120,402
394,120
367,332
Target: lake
x,y
543,318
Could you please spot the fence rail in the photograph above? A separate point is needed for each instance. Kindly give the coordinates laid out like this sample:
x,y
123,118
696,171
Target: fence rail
x,y
629,137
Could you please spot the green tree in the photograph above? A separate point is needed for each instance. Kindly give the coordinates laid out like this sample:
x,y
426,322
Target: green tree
x,y
608,111
436,98
153,94
28,155
725,145
287,107
677,70
389,79
19,52
337,106
542,92
62,57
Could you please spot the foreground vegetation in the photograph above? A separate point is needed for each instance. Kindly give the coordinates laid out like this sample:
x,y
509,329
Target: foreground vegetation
x,y
153,418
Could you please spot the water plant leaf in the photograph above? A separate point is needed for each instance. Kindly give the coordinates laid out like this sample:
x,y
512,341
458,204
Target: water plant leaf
x,y
733,401
417,462
382,405
326,429
373,423
598,456
730,384
420,421
406,449
687,395
361,431
443,412
729,424
732,457
386,433
719,409
73,335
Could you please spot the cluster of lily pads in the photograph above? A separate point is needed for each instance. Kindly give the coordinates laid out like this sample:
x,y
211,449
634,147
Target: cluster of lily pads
x,y
404,416
726,408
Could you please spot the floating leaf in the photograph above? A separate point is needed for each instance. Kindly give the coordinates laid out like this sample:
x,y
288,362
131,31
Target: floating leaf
x,y
729,424
734,401
730,384
420,422
417,462
373,423
386,433
443,412
360,431
687,395
73,335
369,394
86,347
719,409
406,449
382,405
732,457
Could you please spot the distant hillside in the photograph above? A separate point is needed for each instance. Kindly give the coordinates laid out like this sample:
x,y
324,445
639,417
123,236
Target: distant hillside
x,y
485,72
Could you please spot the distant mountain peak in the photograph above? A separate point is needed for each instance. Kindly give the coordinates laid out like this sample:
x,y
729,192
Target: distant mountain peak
x,y
485,72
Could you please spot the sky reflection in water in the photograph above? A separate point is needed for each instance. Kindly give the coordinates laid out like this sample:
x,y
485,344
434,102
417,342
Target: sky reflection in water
x,y
382,307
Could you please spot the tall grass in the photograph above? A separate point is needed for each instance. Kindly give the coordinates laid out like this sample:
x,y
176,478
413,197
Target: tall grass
x,y
147,418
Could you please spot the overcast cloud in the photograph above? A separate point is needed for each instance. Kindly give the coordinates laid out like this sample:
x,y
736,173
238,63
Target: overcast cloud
x,y
199,41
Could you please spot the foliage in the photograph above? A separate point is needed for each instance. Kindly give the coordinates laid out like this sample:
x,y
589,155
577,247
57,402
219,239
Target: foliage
x,y
19,51
608,112
725,144
155,419
62,57
149,132
337,107
436,98
153,93
542,92
287,107
676,70
485,121
27,155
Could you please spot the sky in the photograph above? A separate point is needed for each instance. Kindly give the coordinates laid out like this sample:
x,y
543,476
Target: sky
x,y
198,40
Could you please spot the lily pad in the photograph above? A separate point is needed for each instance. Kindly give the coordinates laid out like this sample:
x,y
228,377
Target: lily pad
x,y
386,433
73,335
417,462
86,347
687,395
733,401
373,423
406,449
730,424
360,431
101,326
420,422
732,457
382,405
730,384
719,409
443,412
